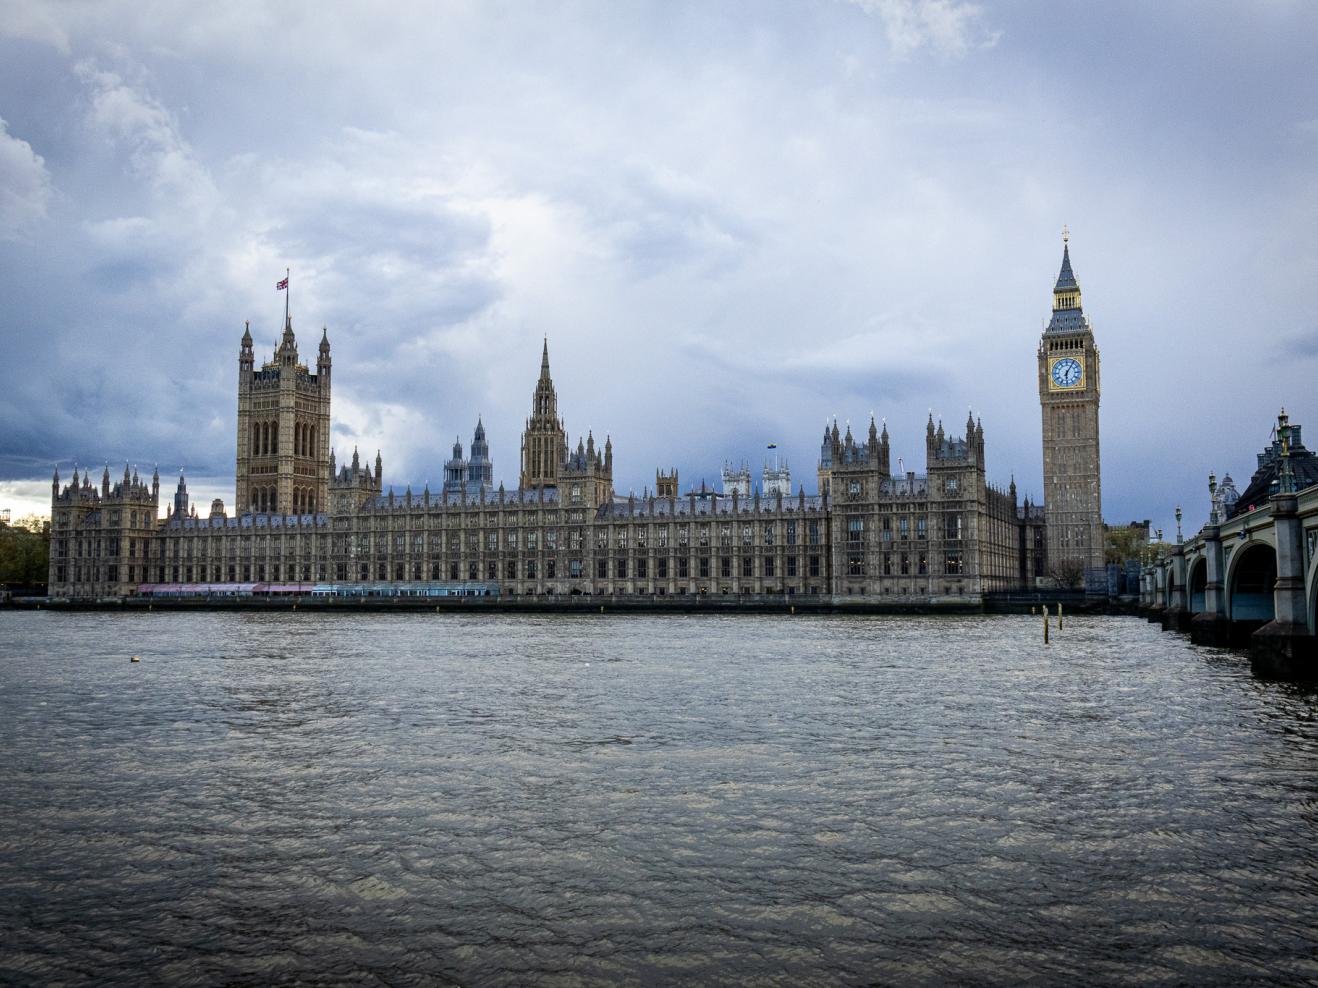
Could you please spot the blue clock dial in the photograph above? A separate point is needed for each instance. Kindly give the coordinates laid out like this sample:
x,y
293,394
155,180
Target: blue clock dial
x,y
1067,372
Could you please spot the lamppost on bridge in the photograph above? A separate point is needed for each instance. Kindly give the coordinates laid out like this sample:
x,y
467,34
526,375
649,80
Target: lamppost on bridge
x,y
1212,499
1286,478
1178,525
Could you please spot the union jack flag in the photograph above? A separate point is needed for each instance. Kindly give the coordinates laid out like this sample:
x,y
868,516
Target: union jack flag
x,y
282,285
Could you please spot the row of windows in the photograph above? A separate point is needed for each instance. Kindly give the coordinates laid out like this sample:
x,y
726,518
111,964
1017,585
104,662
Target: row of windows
x,y
471,570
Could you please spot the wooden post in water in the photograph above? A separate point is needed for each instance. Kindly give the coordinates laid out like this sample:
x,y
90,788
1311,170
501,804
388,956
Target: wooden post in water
x,y
1059,615
1045,624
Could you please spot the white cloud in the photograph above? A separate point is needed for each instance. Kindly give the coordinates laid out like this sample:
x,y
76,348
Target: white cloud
x,y
949,27
125,111
32,20
25,186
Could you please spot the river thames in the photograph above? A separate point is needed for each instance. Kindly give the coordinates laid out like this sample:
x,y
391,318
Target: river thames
x,y
398,799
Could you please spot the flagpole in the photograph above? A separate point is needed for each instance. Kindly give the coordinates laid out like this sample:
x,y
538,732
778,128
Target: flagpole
x,y
287,291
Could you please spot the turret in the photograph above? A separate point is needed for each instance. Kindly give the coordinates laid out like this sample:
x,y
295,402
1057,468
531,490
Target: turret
x,y
54,484
379,472
323,361
287,352
105,482
155,485
246,357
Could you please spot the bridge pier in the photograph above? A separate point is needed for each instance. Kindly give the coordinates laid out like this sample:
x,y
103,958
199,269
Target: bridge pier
x,y
1212,627
1177,617
1283,648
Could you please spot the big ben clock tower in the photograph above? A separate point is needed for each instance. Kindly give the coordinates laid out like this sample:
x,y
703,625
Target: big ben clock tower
x,y
1068,394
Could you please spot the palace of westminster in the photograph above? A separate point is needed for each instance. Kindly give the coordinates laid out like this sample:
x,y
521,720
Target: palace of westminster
x,y
301,518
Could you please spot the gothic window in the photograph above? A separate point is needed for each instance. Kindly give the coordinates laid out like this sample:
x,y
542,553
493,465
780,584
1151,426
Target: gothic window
x,y
747,566
702,532
768,533
920,527
952,562
813,533
923,564
683,568
661,568
622,569
642,536
906,564
855,529
813,568
704,567
791,534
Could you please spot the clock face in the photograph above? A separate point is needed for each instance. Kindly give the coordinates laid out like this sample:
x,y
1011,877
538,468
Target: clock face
x,y
1067,372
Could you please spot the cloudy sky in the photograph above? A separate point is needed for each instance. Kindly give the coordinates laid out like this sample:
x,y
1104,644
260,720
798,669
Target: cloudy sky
x,y
732,221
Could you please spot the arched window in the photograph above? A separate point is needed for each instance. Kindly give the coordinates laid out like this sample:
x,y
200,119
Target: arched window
x,y
256,438
274,437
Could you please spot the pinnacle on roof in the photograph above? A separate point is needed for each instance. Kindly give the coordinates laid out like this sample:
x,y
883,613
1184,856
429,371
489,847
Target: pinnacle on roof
x,y
544,361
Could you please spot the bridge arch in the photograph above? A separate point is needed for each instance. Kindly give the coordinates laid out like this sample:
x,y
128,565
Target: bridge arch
x,y
1251,579
1196,584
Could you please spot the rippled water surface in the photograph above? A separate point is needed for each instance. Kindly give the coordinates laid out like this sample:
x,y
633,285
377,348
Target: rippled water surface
x,y
649,800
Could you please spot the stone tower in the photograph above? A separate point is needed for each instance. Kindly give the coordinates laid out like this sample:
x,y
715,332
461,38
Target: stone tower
x,y
1068,394
665,484
283,430
544,441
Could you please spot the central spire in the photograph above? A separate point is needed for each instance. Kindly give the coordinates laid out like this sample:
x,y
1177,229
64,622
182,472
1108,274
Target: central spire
x,y
544,361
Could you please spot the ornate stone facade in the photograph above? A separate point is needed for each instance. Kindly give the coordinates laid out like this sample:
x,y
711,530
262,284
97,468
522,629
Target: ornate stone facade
x,y
301,520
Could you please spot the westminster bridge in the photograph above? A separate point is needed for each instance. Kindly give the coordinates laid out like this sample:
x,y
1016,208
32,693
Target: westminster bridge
x,y
1249,580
